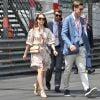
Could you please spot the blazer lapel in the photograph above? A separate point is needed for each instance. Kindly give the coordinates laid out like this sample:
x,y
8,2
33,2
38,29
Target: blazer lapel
x,y
73,25
73,29
59,31
51,26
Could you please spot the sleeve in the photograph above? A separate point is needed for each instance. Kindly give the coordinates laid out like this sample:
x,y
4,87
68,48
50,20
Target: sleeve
x,y
50,38
65,32
90,35
30,37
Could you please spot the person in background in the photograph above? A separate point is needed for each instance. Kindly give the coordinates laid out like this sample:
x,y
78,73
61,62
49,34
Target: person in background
x,y
75,47
40,35
89,33
10,32
57,61
31,13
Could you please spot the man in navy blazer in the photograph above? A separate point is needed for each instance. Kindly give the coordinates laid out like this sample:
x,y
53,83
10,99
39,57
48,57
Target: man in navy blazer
x,y
56,61
90,38
75,47
89,33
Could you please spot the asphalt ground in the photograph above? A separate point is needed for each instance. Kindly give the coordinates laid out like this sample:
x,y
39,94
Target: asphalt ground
x,y
20,87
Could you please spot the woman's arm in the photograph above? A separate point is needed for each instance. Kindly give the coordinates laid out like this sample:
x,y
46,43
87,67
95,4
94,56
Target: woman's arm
x,y
26,51
29,42
54,49
51,42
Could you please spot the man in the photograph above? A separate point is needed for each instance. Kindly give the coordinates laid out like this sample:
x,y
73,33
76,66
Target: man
x,y
89,33
75,47
56,61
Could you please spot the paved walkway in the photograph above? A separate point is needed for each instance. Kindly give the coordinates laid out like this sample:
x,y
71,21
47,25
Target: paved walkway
x,y
20,88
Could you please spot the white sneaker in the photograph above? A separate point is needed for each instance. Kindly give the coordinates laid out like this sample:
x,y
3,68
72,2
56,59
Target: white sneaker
x,y
43,94
91,92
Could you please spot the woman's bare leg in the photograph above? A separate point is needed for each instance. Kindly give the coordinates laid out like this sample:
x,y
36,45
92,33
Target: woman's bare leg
x,y
40,78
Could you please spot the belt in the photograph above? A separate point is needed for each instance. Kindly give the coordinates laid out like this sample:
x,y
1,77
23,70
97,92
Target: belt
x,y
80,45
57,46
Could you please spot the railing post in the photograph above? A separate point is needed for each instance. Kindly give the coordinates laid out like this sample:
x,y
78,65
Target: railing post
x,y
5,19
31,12
90,11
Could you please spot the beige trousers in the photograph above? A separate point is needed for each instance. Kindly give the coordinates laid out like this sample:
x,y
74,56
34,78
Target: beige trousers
x,y
80,61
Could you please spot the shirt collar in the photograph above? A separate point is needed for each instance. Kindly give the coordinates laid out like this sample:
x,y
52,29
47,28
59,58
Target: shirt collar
x,y
73,14
55,22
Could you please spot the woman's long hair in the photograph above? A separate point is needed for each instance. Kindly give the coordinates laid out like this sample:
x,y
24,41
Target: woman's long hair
x,y
45,21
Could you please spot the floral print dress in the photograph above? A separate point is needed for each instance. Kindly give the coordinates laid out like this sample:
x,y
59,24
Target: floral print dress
x,y
42,38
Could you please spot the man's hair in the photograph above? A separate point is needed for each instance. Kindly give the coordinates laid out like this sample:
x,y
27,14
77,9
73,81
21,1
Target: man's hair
x,y
58,10
76,4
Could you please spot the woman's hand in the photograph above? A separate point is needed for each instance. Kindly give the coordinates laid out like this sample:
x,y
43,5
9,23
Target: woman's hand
x,y
24,56
55,52
26,52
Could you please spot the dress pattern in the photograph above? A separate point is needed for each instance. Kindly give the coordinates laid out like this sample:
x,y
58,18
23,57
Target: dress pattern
x,y
42,38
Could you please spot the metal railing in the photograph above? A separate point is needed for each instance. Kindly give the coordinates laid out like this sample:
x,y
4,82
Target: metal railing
x,y
96,18
22,12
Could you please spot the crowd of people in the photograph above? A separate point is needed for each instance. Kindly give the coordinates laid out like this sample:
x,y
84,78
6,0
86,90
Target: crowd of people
x,y
67,39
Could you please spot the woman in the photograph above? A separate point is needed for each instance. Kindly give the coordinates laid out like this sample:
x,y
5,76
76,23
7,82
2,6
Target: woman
x,y
40,35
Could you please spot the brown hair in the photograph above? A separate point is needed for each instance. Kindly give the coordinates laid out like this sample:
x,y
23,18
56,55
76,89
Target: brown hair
x,y
76,4
45,20
58,10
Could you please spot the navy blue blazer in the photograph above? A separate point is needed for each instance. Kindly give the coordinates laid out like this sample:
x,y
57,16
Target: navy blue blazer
x,y
50,26
90,35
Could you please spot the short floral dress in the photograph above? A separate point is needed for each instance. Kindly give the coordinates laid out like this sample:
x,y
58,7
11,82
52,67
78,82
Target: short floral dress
x,y
43,38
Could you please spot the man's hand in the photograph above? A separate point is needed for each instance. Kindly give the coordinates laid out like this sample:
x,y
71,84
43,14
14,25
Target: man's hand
x,y
73,48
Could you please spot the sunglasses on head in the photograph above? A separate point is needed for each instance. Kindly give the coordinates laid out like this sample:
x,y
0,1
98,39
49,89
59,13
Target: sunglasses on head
x,y
39,18
57,15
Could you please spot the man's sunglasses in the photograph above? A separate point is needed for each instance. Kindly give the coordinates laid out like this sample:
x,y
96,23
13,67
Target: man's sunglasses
x,y
57,15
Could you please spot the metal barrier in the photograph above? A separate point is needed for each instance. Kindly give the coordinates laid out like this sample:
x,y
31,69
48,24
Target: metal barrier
x,y
96,19
11,53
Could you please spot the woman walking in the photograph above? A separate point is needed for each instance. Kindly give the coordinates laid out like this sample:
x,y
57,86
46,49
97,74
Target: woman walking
x,y
40,36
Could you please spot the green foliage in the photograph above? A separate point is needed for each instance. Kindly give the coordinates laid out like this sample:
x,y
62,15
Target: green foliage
x,y
38,6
